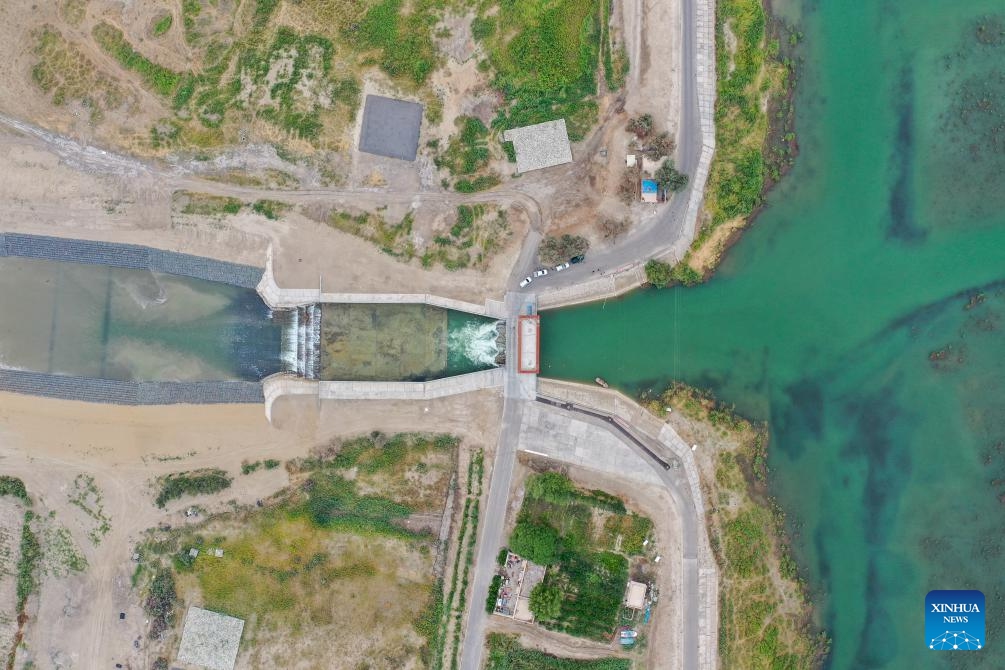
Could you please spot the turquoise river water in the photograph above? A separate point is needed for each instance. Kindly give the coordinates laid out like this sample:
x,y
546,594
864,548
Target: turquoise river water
x,y
862,317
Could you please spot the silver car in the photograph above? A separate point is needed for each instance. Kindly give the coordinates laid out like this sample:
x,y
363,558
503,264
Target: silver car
x,y
540,273
525,281
563,266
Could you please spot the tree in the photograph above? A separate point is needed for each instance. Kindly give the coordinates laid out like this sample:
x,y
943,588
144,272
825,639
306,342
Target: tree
x,y
658,273
660,146
537,542
611,229
669,178
545,602
554,250
641,127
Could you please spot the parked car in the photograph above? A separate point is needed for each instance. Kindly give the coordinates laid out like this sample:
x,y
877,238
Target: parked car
x,y
540,272
577,259
525,281
563,266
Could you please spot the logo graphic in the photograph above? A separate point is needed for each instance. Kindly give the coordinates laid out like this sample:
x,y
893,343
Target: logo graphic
x,y
954,620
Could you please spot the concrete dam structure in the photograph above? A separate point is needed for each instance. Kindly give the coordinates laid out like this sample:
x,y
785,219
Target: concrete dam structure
x,y
117,323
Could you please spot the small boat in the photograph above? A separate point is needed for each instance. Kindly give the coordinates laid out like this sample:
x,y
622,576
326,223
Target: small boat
x,y
600,382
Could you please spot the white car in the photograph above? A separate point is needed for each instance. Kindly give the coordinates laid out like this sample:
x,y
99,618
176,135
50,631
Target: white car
x,y
563,266
525,281
540,273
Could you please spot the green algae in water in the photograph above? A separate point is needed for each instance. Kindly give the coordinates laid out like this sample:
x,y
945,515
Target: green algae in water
x,y
823,319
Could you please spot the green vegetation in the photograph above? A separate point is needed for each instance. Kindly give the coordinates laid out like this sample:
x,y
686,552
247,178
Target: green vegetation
x,y
490,600
404,41
160,602
585,538
615,56
468,154
505,653
764,615
204,204
269,464
198,482
669,178
30,563
547,69
162,25
661,274
12,486
270,209
158,78
555,250
68,74
746,76
323,558
477,234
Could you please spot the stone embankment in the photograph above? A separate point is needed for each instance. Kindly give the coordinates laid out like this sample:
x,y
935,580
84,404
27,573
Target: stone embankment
x,y
128,256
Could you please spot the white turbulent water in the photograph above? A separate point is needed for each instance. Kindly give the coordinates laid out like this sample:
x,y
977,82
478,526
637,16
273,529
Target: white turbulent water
x,y
476,342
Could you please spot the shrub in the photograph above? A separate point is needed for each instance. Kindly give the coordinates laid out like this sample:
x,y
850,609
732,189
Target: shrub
x,y
159,78
658,273
12,486
28,566
555,250
546,602
490,600
162,25
641,126
201,482
669,178
160,602
537,542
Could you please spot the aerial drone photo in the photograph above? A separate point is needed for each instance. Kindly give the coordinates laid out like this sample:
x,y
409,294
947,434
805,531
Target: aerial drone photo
x,y
502,334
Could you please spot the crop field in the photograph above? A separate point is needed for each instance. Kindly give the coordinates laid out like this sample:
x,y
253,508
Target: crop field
x,y
586,539
326,568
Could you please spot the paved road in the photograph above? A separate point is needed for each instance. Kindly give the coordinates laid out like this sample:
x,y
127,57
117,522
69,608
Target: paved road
x,y
668,227
519,390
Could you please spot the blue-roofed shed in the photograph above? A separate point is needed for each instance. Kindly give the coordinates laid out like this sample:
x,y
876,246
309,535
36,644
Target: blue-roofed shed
x,y
650,191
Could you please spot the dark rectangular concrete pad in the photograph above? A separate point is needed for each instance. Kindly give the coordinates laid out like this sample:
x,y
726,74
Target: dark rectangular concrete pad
x,y
390,127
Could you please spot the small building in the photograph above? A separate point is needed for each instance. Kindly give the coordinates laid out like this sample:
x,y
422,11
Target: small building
x,y
650,191
636,597
528,344
390,127
210,639
541,145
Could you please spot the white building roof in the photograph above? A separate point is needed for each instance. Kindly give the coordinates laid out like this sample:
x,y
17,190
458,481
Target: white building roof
x,y
210,639
541,145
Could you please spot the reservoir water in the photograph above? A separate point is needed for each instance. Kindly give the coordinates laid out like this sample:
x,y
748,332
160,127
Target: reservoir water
x,y
862,317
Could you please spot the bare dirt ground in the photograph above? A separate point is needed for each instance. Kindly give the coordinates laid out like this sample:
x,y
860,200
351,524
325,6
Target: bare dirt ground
x,y
41,194
48,443
11,521
664,629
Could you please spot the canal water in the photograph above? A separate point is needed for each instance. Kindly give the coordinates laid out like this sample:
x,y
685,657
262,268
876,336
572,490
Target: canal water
x,y
862,317
132,325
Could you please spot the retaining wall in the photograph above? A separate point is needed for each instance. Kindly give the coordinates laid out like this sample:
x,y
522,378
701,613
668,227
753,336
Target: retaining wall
x,y
128,256
87,389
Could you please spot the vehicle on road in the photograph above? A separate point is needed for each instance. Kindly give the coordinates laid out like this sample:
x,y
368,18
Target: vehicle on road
x,y
540,273
577,259
525,281
563,266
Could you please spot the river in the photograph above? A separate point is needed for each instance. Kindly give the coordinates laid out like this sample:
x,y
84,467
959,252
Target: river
x,y
862,317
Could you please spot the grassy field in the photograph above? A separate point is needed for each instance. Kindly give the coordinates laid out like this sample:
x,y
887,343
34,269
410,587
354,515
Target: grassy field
x,y
505,653
764,615
586,538
749,76
545,56
325,568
